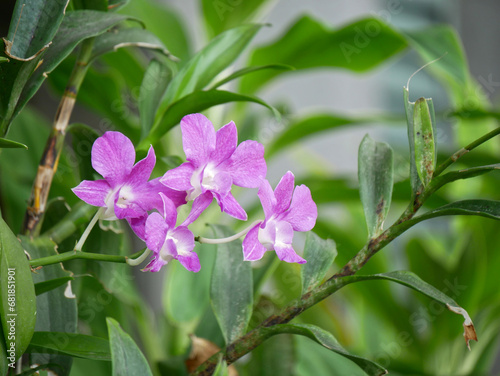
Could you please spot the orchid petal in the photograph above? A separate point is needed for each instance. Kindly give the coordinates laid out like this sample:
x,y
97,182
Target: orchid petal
x,y
198,138
267,199
179,178
285,252
221,184
177,197
113,156
142,170
156,231
138,225
200,203
155,265
169,211
226,140
130,204
184,240
93,192
169,249
252,249
284,233
247,165
229,205
190,261
283,193
303,211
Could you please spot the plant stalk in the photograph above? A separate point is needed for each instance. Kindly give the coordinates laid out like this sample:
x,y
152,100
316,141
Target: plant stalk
x,y
50,157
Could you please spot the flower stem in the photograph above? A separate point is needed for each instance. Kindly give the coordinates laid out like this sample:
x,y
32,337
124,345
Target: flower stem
x,y
67,256
86,233
201,239
140,259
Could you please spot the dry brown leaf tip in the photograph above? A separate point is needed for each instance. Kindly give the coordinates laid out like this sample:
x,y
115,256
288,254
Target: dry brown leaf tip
x,y
469,330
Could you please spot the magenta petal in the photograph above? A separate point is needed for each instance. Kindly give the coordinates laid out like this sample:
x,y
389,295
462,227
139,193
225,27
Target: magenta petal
x,y
267,199
226,140
229,205
247,165
113,156
154,265
252,249
303,211
284,233
200,203
156,232
93,192
126,207
142,170
221,184
190,261
169,211
184,240
285,252
198,138
138,225
283,193
177,197
179,178
169,249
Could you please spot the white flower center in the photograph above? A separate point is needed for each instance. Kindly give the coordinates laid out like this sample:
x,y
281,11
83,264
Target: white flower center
x,y
207,180
267,235
126,195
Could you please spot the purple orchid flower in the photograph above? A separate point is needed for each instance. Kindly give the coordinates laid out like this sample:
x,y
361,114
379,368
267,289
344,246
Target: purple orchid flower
x,y
215,162
125,191
286,210
169,242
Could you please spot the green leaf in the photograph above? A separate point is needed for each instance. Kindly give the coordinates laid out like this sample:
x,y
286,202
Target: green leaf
x,y
423,136
78,345
320,255
21,80
51,284
443,42
222,15
359,46
156,79
82,139
127,37
464,174
416,184
208,63
196,102
126,357
186,293
221,368
301,128
328,341
163,21
32,27
4,143
483,208
231,287
56,309
3,59
245,71
117,4
4,362
101,5
376,179
413,281
17,294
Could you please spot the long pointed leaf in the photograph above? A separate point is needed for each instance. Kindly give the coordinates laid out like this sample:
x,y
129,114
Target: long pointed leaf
x,y
376,179
231,287
328,341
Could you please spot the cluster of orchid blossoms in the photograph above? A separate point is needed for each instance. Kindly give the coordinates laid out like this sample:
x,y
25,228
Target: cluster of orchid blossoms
x,y
215,162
